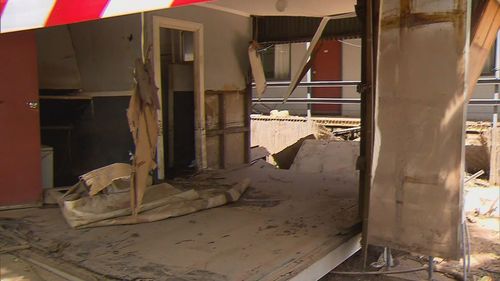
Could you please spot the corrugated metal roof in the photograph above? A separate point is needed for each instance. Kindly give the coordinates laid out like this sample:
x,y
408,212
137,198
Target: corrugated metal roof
x,y
285,29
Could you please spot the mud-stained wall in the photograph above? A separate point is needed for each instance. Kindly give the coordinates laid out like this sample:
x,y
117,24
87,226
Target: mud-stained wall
x,y
417,167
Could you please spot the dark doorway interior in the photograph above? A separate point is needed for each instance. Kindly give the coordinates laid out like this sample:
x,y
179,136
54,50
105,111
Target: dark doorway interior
x,y
177,72
85,134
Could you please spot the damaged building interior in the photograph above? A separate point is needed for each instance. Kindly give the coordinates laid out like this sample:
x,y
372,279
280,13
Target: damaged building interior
x,y
249,140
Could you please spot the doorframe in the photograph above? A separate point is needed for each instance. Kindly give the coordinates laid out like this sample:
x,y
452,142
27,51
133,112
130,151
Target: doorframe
x,y
199,88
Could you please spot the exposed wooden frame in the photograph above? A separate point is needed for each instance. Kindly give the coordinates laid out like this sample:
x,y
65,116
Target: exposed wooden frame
x,y
199,86
248,123
223,131
222,123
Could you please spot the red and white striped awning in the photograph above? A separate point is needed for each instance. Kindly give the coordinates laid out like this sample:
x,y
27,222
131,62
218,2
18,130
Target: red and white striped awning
x,y
27,14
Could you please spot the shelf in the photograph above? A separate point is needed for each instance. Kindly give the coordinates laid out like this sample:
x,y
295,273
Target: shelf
x,y
84,98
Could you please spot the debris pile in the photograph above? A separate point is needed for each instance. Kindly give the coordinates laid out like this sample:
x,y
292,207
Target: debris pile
x,y
101,198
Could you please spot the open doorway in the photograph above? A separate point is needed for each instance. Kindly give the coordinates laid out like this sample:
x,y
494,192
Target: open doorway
x,y
177,80
178,74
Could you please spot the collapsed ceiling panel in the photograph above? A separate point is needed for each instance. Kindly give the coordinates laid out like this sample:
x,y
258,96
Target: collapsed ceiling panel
x,y
417,168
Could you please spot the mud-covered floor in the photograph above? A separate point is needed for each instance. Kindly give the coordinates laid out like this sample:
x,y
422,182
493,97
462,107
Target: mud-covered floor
x,y
485,260
282,224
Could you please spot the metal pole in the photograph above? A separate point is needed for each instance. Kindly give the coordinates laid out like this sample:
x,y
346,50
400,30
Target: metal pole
x,y
494,122
317,84
309,89
494,142
488,80
309,100
431,267
309,104
368,10
353,83
388,258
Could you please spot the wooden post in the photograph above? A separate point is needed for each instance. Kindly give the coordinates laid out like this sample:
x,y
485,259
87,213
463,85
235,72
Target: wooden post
x,y
366,10
222,126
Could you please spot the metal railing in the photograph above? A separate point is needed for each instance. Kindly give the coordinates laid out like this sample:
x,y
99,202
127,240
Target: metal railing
x,y
343,83
475,102
337,84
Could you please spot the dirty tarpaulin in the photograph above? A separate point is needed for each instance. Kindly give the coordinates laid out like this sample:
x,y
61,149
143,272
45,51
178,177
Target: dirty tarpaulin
x,y
142,116
111,206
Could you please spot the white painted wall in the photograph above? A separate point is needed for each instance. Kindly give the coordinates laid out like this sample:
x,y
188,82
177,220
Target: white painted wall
x,y
57,65
106,49
102,53
226,38
351,70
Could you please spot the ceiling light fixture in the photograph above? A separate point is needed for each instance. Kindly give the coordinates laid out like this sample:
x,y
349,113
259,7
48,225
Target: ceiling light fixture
x,y
281,5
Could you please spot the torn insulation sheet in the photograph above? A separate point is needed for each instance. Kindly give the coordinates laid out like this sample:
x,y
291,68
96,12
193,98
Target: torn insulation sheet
x,y
111,206
143,122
